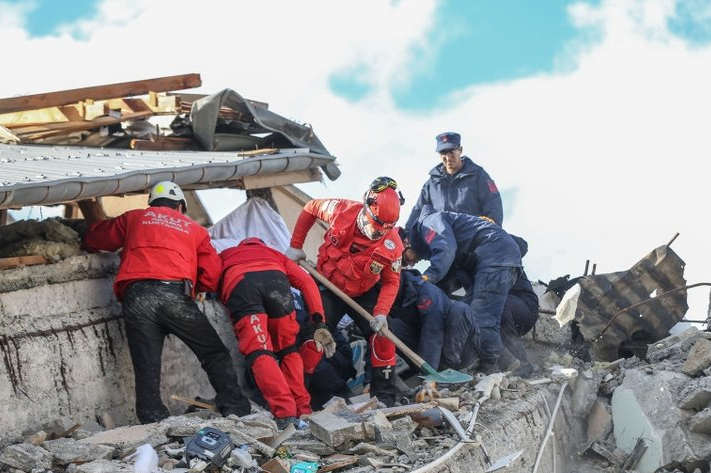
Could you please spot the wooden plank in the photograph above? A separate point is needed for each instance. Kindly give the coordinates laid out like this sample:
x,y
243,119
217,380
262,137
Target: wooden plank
x,y
101,92
53,129
281,179
17,261
163,143
92,210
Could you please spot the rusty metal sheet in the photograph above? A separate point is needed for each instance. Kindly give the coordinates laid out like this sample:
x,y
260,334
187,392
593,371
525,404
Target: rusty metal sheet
x,y
603,296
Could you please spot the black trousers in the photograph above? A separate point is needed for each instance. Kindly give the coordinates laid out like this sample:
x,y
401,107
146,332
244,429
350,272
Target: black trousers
x,y
153,310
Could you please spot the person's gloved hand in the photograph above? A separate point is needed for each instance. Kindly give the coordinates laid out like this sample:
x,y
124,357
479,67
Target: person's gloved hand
x,y
295,254
324,340
379,323
427,392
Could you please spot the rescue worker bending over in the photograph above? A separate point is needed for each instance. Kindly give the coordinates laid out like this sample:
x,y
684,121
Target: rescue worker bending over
x,y
166,258
487,252
430,323
256,288
324,377
361,256
440,330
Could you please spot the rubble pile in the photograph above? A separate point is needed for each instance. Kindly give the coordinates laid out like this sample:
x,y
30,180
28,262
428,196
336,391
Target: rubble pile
x,y
55,239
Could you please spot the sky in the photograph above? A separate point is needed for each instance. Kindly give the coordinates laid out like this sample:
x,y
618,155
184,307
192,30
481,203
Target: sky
x,y
592,116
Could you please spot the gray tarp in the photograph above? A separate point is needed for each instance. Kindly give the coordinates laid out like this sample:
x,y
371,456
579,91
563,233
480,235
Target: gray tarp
x,y
205,113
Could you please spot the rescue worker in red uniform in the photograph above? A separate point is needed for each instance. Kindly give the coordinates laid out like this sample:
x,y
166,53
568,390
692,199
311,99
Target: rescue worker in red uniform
x,y
256,282
361,255
166,258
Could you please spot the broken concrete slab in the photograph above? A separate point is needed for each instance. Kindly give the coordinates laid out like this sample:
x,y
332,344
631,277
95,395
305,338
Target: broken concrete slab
x,y
599,420
636,413
101,466
701,422
26,457
675,347
335,430
698,359
67,450
696,394
126,439
585,390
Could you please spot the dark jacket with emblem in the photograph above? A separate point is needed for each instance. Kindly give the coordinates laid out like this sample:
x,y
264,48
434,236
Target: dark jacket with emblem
x,y
470,191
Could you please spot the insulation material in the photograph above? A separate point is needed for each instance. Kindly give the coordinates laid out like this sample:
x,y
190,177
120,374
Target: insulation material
x,y
603,296
254,218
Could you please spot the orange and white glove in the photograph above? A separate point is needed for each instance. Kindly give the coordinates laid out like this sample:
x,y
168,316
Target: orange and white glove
x,y
427,392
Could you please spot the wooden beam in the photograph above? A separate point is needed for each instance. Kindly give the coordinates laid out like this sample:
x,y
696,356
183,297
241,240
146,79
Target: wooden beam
x,y
92,210
17,261
3,216
281,179
101,92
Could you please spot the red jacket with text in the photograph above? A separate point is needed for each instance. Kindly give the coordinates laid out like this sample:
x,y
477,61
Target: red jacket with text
x,y
252,255
158,243
347,258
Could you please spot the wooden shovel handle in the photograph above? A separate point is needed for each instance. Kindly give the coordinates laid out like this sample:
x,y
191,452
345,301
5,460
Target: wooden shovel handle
x,y
417,359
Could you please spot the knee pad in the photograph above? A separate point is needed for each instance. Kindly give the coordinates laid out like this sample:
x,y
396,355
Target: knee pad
x,y
382,351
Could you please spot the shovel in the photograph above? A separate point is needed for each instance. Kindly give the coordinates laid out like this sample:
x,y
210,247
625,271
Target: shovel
x,y
447,376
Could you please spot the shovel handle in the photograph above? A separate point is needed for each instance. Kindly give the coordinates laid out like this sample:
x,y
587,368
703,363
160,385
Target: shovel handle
x,y
417,359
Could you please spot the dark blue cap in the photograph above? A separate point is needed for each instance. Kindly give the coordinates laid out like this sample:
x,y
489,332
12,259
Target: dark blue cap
x,y
448,140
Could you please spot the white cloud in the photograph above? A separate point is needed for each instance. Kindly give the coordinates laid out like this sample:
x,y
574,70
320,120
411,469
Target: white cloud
x,y
606,154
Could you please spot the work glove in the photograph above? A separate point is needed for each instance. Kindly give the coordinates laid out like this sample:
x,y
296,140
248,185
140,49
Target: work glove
x,y
295,254
427,392
379,323
324,340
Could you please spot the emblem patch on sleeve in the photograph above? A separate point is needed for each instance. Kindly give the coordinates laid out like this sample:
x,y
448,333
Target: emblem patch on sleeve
x,y
389,244
376,267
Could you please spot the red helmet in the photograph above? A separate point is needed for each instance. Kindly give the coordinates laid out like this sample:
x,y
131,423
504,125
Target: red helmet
x,y
382,208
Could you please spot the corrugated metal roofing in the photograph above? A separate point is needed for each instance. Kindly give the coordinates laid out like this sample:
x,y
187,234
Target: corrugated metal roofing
x,y
42,175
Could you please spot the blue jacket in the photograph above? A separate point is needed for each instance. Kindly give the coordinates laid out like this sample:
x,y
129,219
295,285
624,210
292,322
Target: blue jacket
x,y
444,325
445,238
470,191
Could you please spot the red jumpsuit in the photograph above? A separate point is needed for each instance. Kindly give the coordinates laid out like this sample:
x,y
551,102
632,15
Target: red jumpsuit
x,y
256,289
354,263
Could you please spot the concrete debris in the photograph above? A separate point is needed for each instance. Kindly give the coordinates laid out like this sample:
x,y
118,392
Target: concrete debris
x,y
26,457
699,358
696,394
642,414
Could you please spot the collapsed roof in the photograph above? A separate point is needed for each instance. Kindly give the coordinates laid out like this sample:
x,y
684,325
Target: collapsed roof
x,y
221,140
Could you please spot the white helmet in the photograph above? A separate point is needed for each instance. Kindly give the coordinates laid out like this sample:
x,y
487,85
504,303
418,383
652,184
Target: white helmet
x,y
167,190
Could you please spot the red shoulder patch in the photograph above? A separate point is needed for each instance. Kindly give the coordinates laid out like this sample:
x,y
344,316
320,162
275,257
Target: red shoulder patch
x,y
492,187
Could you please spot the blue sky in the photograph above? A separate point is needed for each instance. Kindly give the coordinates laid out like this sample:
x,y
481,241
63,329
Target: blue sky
x,y
478,42
591,116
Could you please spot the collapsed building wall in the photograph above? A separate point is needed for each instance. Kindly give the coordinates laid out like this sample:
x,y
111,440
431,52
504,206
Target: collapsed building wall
x,y
64,352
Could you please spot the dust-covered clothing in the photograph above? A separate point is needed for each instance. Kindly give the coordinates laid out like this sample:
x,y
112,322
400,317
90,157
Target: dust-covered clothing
x,y
165,258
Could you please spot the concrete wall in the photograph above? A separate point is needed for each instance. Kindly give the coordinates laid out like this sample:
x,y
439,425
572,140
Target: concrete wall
x,y
64,351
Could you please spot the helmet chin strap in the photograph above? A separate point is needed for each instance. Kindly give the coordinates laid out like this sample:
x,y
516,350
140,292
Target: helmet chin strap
x,y
362,225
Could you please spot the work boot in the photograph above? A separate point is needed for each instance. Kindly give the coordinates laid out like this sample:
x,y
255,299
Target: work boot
x,y
525,371
284,422
507,361
382,385
488,367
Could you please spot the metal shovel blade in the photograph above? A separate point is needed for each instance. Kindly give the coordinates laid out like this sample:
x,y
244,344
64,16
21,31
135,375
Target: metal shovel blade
x,y
448,376
504,462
